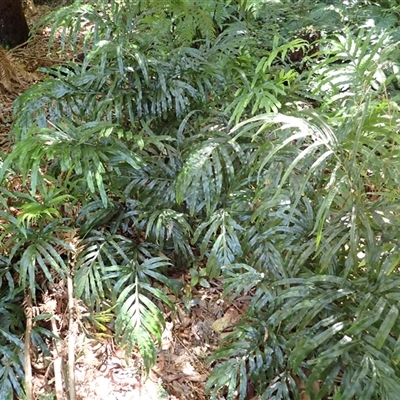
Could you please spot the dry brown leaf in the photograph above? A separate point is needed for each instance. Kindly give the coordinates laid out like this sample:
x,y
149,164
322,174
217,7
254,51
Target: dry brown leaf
x,y
196,378
220,324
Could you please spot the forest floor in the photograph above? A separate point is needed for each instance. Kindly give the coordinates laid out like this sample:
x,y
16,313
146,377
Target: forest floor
x,y
194,329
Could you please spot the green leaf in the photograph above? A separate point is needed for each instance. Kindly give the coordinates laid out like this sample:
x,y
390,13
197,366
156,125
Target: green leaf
x,y
301,351
386,327
368,318
396,352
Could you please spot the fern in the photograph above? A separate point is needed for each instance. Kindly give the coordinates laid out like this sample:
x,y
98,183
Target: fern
x,y
134,149
321,259
11,345
139,321
359,64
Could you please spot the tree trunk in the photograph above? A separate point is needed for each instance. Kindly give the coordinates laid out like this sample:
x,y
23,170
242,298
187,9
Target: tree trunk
x,y
13,26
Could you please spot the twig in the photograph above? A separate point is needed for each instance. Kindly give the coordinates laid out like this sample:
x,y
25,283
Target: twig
x,y
57,363
71,342
27,353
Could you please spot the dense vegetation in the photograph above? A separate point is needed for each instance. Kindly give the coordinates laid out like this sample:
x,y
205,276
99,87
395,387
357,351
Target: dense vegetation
x,y
253,140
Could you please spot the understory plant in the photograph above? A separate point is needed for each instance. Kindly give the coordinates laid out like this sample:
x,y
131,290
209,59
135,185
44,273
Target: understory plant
x,y
190,137
321,258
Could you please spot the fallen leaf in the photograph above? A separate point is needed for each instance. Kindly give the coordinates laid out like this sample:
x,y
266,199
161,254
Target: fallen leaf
x,y
196,378
220,324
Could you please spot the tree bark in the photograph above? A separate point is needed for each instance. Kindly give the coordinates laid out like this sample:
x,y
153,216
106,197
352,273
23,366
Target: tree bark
x,y
13,26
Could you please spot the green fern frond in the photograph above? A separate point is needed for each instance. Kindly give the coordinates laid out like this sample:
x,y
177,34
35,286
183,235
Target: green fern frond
x,y
357,65
139,321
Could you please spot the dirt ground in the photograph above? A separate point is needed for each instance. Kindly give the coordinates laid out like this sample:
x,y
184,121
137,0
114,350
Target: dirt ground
x,y
193,330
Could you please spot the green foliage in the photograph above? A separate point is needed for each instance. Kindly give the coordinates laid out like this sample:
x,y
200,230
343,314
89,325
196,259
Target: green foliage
x,y
113,267
324,269
33,240
139,320
191,136
358,66
11,327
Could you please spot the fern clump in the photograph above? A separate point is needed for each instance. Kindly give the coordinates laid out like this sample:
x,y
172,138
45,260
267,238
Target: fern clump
x,y
217,139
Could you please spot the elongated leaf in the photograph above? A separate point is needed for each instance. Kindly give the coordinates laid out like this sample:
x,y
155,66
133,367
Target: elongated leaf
x,y
386,327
